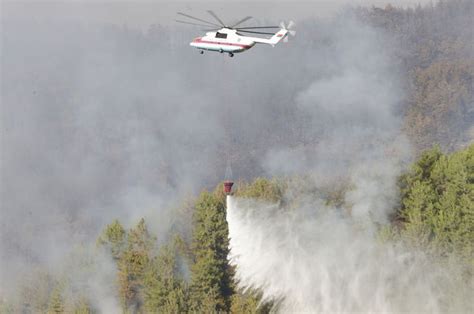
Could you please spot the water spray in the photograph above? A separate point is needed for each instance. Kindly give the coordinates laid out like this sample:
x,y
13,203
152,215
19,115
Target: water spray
x,y
310,259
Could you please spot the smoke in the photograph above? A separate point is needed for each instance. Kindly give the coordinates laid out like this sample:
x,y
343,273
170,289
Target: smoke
x,y
353,108
315,257
101,121
91,274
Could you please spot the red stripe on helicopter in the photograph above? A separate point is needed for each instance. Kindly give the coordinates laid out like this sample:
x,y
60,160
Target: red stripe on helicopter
x,y
199,40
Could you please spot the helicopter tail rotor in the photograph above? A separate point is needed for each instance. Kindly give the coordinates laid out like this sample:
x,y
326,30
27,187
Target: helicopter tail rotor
x,y
288,27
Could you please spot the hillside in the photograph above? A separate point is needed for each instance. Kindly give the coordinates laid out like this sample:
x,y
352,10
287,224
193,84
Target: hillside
x,y
434,47
435,217
351,148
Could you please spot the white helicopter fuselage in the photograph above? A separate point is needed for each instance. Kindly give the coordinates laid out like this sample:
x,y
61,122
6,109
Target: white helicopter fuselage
x,y
229,41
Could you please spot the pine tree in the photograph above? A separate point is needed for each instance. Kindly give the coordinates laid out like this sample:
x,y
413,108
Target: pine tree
x,y
438,202
113,238
82,306
249,302
211,277
262,189
132,265
165,288
56,303
419,207
452,222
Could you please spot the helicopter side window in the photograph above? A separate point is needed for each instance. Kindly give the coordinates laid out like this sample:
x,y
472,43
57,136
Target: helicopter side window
x,y
221,35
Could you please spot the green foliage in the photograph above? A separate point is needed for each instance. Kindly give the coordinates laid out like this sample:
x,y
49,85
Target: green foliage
x,y
82,306
248,302
56,303
438,203
293,191
113,238
132,264
211,277
421,170
165,289
436,214
263,189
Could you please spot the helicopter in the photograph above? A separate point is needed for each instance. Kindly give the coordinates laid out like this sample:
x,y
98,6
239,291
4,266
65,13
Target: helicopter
x,y
231,39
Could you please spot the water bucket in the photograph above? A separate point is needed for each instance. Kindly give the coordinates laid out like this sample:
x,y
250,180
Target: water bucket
x,y
228,187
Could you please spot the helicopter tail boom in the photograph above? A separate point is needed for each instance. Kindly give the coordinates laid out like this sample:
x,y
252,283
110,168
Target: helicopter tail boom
x,y
275,39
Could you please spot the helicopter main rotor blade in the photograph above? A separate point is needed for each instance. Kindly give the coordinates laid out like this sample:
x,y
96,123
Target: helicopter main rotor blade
x,y
263,33
256,27
197,19
216,17
192,23
241,21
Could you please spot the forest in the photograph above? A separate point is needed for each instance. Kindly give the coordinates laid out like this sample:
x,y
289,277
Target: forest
x,y
436,216
185,266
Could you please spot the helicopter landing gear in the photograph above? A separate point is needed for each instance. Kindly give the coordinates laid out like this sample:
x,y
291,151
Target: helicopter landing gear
x,y
231,54
201,52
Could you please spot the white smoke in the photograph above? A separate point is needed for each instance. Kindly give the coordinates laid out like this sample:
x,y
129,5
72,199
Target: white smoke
x,y
103,122
315,259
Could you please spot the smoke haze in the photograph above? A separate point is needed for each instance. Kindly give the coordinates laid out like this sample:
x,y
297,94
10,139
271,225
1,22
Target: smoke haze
x,y
142,13
101,120
314,257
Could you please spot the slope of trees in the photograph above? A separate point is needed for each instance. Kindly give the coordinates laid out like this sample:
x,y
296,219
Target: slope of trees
x,y
148,280
436,215
441,108
434,48
190,272
438,203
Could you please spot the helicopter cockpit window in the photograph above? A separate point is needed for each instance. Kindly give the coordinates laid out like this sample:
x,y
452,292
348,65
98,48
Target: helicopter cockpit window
x,y
221,35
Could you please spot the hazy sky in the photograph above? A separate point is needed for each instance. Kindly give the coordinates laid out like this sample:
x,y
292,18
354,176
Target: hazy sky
x,y
141,13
